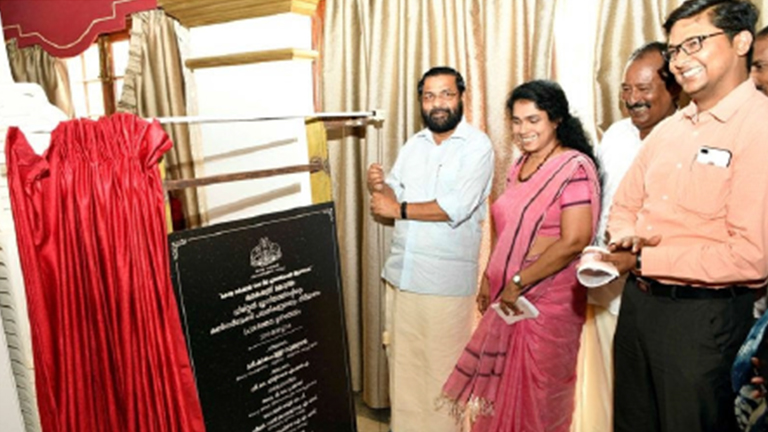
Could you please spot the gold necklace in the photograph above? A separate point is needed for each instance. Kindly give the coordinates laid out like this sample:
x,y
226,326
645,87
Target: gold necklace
x,y
520,173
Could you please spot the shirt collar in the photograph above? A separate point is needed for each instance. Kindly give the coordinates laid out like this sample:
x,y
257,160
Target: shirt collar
x,y
726,107
631,128
461,132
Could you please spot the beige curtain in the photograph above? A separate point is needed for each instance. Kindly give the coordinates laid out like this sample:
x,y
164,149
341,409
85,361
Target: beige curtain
x,y
34,65
154,87
374,52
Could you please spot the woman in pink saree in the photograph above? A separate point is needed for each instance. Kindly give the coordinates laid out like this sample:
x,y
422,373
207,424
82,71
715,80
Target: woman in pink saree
x,y
521,376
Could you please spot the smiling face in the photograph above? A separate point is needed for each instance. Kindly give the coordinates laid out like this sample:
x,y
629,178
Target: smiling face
x,y
759,71
532,129
644,93
720,66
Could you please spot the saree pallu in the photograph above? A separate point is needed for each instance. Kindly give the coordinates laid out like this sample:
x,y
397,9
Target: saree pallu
x,y
536,390
522,377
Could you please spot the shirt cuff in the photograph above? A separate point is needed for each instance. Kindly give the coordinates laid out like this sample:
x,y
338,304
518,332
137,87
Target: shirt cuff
x,y
450,206
655,261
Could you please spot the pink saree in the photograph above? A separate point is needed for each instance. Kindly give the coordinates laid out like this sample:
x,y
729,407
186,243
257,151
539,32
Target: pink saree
x,y
522,377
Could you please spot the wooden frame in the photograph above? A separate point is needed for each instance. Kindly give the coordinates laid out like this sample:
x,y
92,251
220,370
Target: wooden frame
x,y
193,13
252,57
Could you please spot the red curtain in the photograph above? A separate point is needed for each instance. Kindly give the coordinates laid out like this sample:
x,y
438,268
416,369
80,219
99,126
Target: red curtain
x,y
108,346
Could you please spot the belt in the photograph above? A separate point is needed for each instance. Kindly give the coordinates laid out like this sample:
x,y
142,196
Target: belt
x,y
657,289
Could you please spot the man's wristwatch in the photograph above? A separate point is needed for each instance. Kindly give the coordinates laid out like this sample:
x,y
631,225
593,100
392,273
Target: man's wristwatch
x,y
517,280
403,210
638,262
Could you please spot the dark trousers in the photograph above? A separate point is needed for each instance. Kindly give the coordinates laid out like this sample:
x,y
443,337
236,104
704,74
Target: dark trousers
x,y
673,361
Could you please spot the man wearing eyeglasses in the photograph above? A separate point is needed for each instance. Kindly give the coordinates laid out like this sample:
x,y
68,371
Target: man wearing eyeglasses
x,y
690,222
760,61
436,193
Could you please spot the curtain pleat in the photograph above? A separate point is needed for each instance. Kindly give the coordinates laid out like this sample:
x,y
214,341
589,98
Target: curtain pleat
x,y
90,220
34,65
374,53
154,87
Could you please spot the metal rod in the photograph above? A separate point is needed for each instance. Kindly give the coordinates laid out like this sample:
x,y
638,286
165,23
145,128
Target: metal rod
x,y
246,175
375,114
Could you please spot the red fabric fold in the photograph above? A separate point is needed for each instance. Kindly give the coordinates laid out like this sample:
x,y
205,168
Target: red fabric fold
x,y
90,221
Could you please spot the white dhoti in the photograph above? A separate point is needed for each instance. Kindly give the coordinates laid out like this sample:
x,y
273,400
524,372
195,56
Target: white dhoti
x,y
425,334
594,383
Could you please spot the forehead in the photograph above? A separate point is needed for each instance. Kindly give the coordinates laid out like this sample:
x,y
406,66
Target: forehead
x,y
644,69
689,27
526,108
761,48
440,82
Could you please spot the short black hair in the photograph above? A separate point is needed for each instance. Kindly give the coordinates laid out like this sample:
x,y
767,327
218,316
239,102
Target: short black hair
x,y
673,87
730,16
650,47
443,70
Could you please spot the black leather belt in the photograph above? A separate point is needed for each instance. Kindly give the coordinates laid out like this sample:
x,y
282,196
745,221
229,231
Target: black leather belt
x,y
658,289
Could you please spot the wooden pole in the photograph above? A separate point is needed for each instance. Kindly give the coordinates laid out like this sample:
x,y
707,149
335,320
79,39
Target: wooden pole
x,y
312,167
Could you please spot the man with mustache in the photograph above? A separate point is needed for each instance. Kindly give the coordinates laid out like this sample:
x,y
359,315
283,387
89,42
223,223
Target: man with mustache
x,y
689,221
436,194
649,94
759,71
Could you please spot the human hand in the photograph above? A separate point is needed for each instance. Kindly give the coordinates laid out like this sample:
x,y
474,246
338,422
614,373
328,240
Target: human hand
x,y
483,296
624,261
384,206
375,178
634,244
508,298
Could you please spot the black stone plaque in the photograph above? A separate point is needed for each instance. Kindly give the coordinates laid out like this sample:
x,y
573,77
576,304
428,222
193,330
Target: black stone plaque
x,y
261,306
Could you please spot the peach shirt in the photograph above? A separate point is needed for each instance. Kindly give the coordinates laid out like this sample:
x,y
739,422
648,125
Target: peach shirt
x,y
713,220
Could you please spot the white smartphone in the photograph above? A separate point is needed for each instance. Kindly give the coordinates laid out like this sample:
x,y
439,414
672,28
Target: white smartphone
x,y
529,311
714,156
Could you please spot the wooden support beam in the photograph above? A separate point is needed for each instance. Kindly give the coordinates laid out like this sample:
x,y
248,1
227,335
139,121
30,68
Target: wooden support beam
x,y
252,57
194,13
314,166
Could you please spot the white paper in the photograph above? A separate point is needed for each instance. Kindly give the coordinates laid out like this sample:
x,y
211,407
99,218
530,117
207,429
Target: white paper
x,y
593,273
529,311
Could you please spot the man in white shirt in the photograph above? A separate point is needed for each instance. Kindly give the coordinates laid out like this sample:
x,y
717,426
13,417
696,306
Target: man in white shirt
x,y
436,193
649,94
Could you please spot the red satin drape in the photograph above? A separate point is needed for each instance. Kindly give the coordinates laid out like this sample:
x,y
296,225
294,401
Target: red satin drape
x,y
108,346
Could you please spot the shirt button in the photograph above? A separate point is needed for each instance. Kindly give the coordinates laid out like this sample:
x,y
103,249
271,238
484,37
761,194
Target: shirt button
x,y
665,197
679,166
650,228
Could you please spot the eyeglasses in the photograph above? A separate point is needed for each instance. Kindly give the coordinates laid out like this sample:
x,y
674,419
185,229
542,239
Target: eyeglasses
x,y
444,95
689,46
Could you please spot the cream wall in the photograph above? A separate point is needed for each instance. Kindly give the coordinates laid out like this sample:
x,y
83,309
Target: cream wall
x,y
268,89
